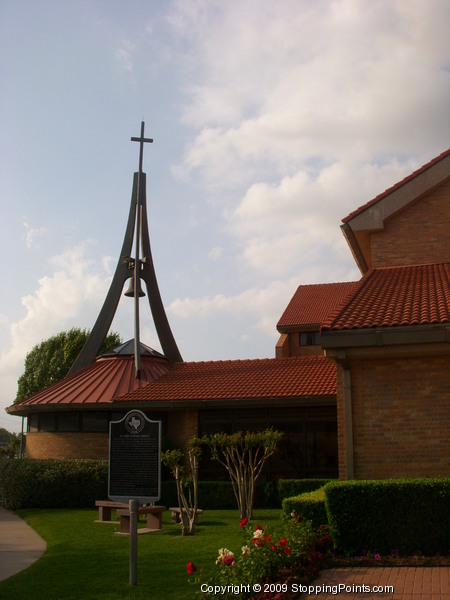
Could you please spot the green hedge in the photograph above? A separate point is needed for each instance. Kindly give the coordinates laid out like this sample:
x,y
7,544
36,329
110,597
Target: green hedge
x,y
35,483
309,506
294,487
409,515
26,483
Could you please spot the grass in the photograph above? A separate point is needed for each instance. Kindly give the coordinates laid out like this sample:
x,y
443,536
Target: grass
x,y
85,560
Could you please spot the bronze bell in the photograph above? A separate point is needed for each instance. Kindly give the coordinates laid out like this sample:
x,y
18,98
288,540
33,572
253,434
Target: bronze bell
x,y
130,290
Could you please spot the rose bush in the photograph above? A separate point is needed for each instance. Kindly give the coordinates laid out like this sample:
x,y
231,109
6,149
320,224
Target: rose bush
x,y
285,554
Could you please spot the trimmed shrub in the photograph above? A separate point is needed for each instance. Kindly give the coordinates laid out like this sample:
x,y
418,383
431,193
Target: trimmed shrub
x,y
26,483
309,506
408,515
294,487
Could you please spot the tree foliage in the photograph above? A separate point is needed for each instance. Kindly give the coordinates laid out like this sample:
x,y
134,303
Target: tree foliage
x,y
244,455
9,443
50,361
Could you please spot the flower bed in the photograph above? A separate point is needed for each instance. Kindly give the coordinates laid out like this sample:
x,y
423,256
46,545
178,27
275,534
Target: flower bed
x,y
294,552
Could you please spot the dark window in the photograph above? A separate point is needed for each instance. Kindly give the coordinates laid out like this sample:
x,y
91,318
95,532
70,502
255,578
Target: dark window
x,y
47,422
308,447
68,421
33,423
310,338
95,421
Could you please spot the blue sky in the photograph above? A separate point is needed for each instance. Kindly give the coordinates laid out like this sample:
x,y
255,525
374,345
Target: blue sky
x,y
271,122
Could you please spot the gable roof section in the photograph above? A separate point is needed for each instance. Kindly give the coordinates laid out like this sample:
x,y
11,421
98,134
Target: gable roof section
x,y
371,216
394,297
269,378
421,171
94,385
311,304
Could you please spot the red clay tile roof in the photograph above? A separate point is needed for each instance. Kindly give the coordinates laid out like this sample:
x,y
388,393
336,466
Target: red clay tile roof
x,y
241,379
396,296
311,304
396,186
100,382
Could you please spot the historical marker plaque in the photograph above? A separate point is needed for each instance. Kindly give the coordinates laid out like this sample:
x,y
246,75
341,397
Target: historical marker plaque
x,y
134,459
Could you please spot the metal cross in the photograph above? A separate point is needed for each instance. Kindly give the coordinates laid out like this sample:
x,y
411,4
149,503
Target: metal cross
x,y
141,141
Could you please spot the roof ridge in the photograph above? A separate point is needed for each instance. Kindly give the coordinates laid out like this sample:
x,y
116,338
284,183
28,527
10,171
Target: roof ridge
x,y
396,186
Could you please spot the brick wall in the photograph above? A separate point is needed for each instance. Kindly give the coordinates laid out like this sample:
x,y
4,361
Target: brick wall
x,y
67,445
417,235
401,416
182,426
289,345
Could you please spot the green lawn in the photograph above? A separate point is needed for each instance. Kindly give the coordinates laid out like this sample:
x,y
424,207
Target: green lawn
x,y
85,560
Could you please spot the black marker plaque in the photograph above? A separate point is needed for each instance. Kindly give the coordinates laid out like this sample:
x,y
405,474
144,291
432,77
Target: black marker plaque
x,y
134,459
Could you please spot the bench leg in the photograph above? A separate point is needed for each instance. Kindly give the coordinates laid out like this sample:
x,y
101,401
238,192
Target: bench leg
x,y
104,513
154,521
125,524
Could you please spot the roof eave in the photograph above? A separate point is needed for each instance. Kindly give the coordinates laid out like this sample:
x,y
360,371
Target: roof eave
x,y
298,327
324,399
227,403
386,336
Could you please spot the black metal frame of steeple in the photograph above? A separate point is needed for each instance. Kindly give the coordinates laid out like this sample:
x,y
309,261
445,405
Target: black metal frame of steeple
x,y
137,229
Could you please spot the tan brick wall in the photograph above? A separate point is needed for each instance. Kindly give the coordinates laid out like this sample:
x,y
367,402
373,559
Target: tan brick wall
x,y
401,418
417,235
67,445
289,345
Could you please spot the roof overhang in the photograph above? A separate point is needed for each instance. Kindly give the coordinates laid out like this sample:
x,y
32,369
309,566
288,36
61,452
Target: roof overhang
x,y
420,338
298,328
169,405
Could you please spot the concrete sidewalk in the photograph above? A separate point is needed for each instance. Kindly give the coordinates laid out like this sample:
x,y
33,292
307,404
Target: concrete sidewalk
x,y
20,546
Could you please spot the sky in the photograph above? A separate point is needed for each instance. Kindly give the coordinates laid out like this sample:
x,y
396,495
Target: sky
x,y
271,122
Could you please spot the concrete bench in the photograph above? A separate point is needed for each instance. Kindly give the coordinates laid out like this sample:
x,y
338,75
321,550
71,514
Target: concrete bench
x,y
153,515
175,513
105,508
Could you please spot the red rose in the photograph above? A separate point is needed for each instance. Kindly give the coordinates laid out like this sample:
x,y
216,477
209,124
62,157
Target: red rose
x,y
283,542
191,568
287,550
243,522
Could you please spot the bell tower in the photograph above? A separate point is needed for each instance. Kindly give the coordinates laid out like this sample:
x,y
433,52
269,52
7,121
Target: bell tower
x,y
135,268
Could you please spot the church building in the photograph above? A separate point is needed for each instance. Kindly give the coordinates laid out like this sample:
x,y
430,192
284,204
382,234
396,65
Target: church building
x,y
360,381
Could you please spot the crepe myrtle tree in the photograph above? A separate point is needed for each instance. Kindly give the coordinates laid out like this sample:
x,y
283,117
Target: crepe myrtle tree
x,y
243,455
186,483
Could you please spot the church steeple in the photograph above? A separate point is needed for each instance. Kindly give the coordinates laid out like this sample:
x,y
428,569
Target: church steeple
x,y
137,269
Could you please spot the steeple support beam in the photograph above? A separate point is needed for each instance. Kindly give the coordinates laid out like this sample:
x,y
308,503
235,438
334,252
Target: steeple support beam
x,y
136,230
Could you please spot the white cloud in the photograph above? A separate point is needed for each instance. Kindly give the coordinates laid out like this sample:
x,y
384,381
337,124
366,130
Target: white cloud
x,y
70,296
215,253
315,109
32,234
299,79
260,307
124,56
